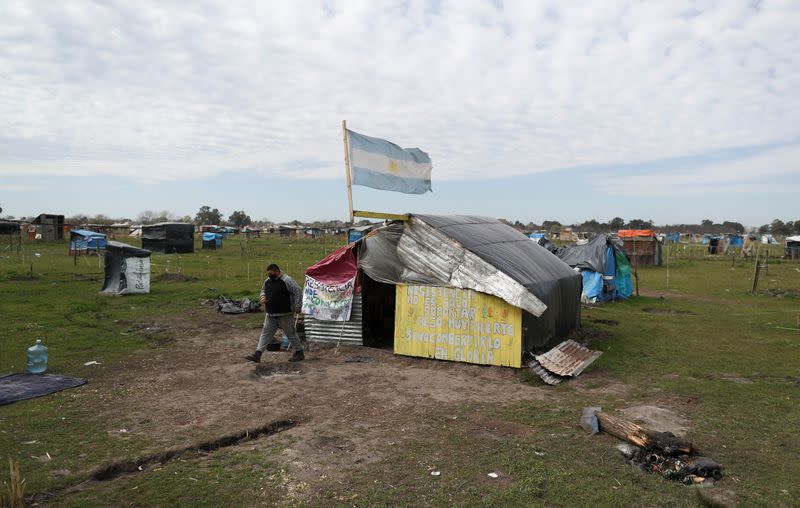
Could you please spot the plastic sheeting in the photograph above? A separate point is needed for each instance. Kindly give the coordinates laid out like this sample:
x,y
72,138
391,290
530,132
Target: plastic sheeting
x,y
485,255
336,268
591,256
168,237
82,239
127,270
603,260
9,228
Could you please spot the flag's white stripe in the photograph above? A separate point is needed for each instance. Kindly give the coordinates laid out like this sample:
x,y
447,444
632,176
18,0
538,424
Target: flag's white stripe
x,y
382,164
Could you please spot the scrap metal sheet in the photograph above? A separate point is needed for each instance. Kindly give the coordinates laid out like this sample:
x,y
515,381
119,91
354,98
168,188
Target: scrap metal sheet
x,y
568,358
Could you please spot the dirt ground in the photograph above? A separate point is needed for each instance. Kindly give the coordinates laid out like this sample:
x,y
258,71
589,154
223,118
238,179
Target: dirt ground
x,y
354,402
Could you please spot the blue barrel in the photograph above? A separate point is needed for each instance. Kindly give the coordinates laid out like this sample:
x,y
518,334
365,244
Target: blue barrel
x,y
37,358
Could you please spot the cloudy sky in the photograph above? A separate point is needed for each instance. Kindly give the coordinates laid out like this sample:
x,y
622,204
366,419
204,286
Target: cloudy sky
x,y
672,111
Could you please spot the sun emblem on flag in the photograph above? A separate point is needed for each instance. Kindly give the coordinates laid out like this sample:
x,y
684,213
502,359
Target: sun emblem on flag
x,y
393,167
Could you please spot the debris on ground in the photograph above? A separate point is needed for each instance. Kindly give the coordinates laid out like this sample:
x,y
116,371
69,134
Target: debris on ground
x,y
564,361
663,453
227,306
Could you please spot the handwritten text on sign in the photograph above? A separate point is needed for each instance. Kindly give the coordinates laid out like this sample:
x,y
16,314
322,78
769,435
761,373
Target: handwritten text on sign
x,y
328,302
457,324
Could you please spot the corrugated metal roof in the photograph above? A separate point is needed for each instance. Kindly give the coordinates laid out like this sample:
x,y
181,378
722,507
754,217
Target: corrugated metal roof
x,y
547,377
348,332
568,358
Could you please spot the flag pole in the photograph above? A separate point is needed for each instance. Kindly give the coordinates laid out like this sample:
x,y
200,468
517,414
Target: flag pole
x,y
347,169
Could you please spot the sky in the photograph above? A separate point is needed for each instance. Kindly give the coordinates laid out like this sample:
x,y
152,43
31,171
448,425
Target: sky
x,y
530,110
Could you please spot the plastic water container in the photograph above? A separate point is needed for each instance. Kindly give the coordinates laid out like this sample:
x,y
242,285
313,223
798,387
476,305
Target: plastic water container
x,y
37,358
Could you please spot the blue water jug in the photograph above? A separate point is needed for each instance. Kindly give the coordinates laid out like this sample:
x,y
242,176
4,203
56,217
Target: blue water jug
x,y
37,358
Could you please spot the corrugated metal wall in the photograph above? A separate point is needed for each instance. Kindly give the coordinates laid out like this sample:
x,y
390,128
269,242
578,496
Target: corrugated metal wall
x,y
349,332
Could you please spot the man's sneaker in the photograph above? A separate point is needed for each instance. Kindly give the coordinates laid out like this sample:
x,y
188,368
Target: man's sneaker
x,y
298,356
255,357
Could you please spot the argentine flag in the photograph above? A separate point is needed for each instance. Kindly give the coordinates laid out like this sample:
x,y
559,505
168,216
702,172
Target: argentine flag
x,y
381,164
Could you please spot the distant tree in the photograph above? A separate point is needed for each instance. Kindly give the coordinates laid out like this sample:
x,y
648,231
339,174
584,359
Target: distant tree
x,y
763,229
1,209
796,226
777,227
551,225
591,226
617,223
640,224
77,220
788,227
239,219
296,223
732,227
186,218
100,219
208,216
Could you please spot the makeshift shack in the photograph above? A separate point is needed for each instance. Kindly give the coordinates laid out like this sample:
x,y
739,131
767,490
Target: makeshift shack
x,y
642,246
13,232
356,233
168,237
604,268
49,227
717,244
127,270
461,288
83,241
212,241
793,247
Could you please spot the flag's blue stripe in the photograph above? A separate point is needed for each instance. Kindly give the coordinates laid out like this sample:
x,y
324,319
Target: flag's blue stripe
x,y
387,148
385,181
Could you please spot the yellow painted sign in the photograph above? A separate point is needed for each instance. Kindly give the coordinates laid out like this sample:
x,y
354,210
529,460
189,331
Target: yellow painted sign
x,y
457,324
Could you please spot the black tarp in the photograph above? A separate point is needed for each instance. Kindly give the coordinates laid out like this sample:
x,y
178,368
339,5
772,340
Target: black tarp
x,y
168,237
548,278
507,250
121,266
9,228
589,256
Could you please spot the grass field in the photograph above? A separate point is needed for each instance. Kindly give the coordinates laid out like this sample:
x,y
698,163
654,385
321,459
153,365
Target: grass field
x,y
698,344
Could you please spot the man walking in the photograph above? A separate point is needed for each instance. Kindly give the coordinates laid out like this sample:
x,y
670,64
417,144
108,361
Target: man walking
x,y
282,297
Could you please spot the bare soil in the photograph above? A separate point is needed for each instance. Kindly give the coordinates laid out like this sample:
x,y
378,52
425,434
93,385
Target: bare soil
x,y
354,402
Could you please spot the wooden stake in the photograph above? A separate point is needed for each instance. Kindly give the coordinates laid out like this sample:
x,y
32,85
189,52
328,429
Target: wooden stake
x,y
346,141
755,274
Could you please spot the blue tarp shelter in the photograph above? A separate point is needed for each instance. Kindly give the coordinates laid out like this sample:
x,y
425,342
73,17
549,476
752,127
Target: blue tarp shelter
x,y
212,240
85,240
603,265
673,238
736,241
536,236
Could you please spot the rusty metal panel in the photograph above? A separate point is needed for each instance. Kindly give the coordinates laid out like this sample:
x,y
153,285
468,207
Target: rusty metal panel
x,y
568,358
547,377
348,332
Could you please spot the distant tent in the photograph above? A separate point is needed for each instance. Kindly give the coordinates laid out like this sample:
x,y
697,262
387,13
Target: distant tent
x,y
50,227
736,241
537,236
603,265
168,237
83,240
641,246
212,241
673,237
793,247
127,270
716,245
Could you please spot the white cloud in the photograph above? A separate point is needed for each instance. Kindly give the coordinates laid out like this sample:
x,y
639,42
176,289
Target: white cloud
x,y
161,90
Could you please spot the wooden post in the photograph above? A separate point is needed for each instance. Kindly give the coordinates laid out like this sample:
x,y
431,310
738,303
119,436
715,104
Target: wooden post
x,y
756,271
346,141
